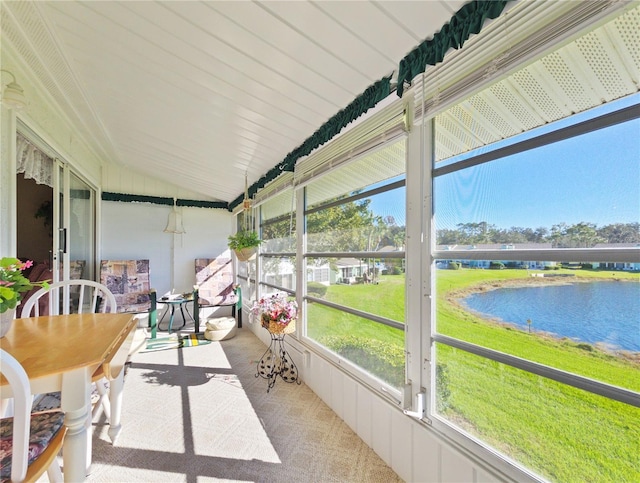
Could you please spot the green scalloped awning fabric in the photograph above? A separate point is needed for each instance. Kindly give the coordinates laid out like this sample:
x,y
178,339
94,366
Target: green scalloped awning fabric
x,y
158,200
365,101
202,204
468,20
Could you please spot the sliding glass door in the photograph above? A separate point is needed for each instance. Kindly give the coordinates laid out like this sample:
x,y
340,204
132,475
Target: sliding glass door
x,y
66,214
81,229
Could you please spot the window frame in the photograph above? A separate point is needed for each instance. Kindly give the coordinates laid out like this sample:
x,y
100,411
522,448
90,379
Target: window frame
x,y
466,440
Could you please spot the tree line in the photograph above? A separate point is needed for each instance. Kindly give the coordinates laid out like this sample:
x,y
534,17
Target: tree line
x,y
352,226
561,235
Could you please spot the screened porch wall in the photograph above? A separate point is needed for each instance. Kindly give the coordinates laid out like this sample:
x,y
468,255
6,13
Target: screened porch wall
x,y
415,452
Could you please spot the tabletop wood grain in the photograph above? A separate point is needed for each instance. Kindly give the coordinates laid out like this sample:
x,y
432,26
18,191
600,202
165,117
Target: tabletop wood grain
x,y
50,345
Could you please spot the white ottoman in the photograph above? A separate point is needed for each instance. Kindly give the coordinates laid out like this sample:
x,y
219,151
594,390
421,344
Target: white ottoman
x,y
220,328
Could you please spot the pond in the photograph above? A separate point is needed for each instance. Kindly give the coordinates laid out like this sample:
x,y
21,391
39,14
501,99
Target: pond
x,y
594,312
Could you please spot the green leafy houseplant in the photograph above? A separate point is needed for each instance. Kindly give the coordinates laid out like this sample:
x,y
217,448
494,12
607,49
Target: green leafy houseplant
x,y
244,243
13,283
244,239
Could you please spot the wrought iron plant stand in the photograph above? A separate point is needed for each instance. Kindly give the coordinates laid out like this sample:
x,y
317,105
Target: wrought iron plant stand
x,y
276,361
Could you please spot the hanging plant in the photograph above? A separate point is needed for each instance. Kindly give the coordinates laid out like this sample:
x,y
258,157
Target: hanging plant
x,y
245,242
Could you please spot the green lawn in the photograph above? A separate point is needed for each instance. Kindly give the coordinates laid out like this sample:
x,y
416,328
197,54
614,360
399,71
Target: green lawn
x,y
564,354
563,433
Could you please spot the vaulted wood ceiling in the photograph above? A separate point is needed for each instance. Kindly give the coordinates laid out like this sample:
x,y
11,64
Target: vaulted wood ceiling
x,y
200,93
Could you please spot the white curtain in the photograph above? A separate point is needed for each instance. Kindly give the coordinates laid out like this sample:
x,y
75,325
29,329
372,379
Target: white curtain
x,y
33,163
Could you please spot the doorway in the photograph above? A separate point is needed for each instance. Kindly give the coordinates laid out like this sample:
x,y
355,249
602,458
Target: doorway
x,y
35,220
56,215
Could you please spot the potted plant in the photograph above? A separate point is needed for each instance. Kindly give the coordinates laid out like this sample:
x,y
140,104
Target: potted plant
x,y
277,313
244,243
13,284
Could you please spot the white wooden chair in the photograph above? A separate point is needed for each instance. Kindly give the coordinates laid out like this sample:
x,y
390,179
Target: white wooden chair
x,y
34,439
93,297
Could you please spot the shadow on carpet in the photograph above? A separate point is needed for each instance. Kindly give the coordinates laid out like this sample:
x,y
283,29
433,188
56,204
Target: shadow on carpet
x,y
175,341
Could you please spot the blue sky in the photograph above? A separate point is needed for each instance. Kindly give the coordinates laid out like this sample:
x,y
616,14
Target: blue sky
x,y
593,178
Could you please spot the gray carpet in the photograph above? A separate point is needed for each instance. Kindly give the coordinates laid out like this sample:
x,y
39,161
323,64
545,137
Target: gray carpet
x,y
199,414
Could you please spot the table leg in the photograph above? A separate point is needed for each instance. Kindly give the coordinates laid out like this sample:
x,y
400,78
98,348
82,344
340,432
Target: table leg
x,y
76,453
115,398
166,309
89,452
173,310
184,320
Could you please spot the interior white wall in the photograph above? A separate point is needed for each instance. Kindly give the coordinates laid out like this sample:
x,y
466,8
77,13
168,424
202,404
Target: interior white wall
x,y
8,212
43,118
136,231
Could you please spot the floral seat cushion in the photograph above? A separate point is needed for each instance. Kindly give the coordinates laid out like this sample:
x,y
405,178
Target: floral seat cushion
x,y
53,400
214,278
44,426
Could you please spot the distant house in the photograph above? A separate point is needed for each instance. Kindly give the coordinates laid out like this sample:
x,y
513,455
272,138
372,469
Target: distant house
x,y
349,270
485,264
343,270
626,266
321,274
280,273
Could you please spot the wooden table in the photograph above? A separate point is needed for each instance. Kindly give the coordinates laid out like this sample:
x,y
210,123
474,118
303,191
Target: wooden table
x,y
61,353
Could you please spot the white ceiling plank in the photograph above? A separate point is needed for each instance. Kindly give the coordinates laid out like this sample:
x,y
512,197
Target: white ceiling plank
x,y
196,94
272,52
128,45
420,19
367,22
304,52
204,30
333,35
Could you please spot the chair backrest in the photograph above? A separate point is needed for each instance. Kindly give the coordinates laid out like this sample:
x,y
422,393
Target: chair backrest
x,y
31,439
21,389
98,298
214,278
39,273
128,280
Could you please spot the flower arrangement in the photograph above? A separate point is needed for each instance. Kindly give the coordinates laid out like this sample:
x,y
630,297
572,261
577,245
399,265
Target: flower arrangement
x,y
276,312
13,283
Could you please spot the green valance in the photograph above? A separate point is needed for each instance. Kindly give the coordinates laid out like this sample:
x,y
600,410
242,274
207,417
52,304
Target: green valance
x,y
203,204
468,20
158,200
365,101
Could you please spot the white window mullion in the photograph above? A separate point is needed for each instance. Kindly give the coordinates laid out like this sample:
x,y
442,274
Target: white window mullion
x,y
415,328
301,262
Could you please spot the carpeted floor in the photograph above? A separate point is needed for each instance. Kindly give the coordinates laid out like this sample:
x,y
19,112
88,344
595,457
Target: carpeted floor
x,y
199,414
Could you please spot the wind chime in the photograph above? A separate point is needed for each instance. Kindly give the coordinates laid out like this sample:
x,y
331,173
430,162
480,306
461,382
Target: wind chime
x,y
246,204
